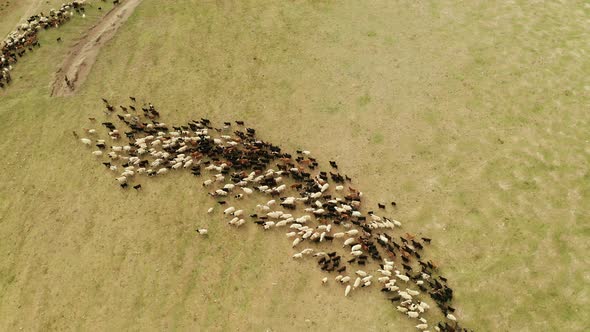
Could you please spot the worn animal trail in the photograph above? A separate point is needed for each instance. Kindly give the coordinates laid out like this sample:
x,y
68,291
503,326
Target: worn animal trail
x,y
321,213
25,37
79,61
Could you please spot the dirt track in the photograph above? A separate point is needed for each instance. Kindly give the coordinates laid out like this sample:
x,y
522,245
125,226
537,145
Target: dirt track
x,y
79,61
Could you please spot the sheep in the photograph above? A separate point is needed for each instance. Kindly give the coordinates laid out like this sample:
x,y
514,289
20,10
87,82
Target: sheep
x,y
357,282
86,141
296,242
202,231
347,290
383,279
412,292
122,179
405,295
220,192
386,273
402,309
361,273
324,280
367,278
207,182
163,170
422,326
345,279
307,251
291,234
247,190
210,210
403,277
451,317
349,241
413,314
229,210
275,214
339,188
97,153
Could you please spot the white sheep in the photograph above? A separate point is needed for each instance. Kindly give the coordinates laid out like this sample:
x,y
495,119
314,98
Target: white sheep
x,y
401,309
357,282
451,317
405,295
403,277
202,231
220,192
367,278
97,153
349,241
86,141
347,290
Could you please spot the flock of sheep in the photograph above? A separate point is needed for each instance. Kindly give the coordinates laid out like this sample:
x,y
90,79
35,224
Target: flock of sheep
x,y
25,36
289,193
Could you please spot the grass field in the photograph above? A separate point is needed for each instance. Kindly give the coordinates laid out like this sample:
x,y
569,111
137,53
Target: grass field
x,y
473,116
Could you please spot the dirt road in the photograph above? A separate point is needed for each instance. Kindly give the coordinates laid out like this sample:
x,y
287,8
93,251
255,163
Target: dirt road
x,y
80,59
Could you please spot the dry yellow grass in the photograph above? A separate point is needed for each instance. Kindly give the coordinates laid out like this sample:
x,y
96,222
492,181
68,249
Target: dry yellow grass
x,y
472,116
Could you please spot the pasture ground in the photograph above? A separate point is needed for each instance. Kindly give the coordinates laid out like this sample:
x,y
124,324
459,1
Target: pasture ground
x,y
473,116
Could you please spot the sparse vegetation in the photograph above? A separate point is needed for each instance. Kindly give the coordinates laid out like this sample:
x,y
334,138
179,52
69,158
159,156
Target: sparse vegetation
x,y
480,115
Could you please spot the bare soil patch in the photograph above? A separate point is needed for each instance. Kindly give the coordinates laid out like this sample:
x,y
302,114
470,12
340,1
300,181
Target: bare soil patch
x,y
80,59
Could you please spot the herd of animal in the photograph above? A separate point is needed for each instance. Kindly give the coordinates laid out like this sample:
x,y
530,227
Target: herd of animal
x,y
289,193
25,37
